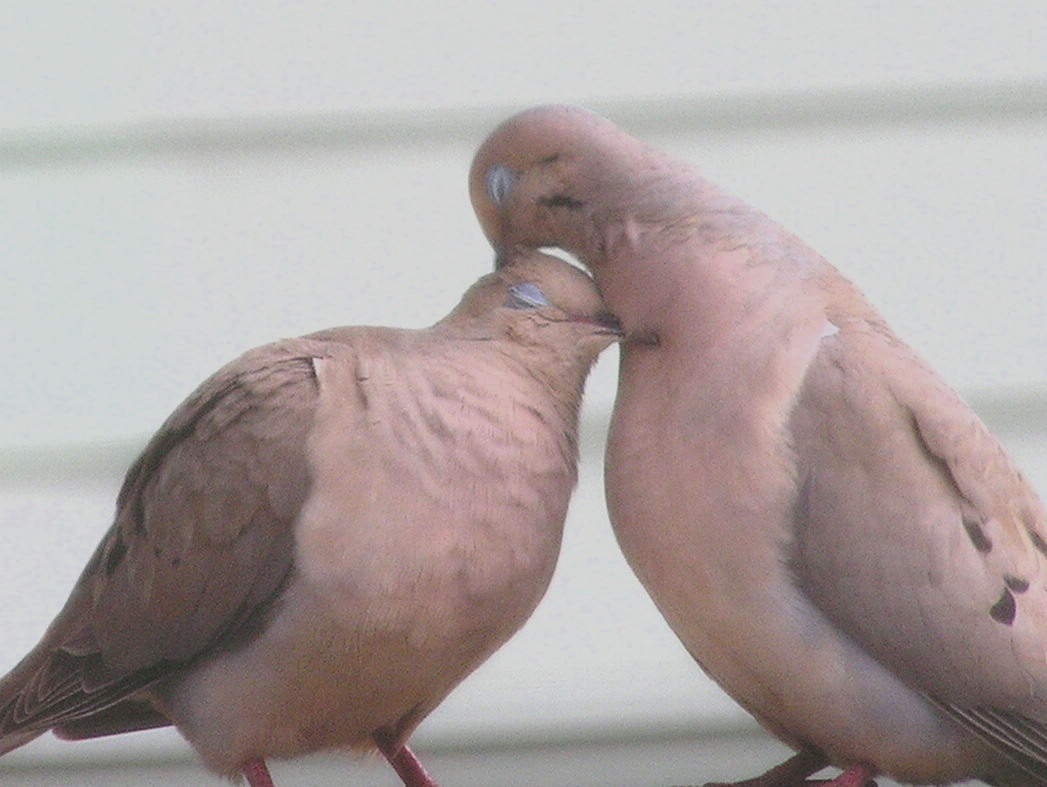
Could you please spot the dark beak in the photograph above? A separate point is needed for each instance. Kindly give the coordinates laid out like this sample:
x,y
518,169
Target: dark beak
x,y
609,323
501,258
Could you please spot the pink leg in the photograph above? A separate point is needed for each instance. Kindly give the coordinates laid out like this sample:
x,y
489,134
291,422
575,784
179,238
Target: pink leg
x,y
407,766
257,774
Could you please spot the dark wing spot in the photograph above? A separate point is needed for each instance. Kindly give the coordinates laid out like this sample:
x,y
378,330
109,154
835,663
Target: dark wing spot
x,y
1017,584
1004,610
550,159
561,201
361,390
116,554
1037,542
976,534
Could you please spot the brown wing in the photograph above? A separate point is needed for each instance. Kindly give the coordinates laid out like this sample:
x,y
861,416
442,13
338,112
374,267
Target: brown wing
x,y
922,541
200,546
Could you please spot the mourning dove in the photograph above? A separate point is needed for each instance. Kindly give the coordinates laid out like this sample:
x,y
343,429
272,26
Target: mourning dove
x,y
831,532
329,535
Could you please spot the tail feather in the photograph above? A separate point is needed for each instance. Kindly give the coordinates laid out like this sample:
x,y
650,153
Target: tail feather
x,y
13,687
1022,740
48,690
15,739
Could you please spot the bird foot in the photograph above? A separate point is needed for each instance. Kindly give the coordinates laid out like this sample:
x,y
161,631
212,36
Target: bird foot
x,y
790,773
407,766
854,776
794,772
843,780
257,774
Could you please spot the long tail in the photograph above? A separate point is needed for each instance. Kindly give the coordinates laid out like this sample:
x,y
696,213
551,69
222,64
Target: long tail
x,y
12,686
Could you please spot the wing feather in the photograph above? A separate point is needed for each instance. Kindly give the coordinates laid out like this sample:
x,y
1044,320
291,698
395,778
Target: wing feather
x,y
949,590
199,549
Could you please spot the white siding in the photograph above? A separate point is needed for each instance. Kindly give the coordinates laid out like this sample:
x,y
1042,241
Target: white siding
x,y
179,183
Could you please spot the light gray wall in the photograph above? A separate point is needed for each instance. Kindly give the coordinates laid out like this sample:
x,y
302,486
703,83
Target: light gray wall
x,y
179,183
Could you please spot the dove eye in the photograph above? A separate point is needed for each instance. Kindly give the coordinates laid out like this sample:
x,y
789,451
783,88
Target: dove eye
x,y
562,201
499,182
526,296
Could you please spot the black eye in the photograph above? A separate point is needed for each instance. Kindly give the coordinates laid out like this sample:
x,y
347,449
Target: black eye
x,y
526,296
562,201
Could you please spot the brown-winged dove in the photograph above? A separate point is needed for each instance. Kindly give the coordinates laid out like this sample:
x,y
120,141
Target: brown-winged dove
x,y
831,532
329,535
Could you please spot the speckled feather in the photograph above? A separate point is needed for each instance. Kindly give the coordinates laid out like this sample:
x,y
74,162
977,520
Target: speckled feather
x,y
828,528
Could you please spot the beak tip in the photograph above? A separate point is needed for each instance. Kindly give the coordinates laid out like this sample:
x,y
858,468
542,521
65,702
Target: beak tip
x,y
611,324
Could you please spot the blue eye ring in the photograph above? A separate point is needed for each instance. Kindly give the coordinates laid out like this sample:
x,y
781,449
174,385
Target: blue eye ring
x,y
499,181
526,295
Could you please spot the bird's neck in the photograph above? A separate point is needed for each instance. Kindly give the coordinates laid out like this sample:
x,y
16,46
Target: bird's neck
x,y
721,294
466,375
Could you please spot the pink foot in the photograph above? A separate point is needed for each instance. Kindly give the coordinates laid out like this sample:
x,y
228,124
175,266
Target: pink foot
x,y
791,773
407,766
257,774
854,776
794,772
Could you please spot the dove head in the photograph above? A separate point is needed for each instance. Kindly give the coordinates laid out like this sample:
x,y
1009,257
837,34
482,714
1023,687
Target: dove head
x,y
557,176
539,303
531,180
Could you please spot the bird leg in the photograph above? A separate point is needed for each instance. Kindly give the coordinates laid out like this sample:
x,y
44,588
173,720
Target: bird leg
x,y
257,774
407,766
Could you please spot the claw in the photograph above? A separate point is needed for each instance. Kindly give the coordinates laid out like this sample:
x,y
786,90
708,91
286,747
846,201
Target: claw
x,y
791,773
794,772
854,776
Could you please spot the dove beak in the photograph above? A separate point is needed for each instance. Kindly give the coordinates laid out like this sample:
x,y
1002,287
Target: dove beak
x,y
501,257
606,324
